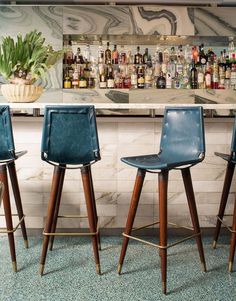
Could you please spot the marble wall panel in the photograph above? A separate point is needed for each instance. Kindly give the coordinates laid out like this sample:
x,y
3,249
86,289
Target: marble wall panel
x,y
136,20
215,21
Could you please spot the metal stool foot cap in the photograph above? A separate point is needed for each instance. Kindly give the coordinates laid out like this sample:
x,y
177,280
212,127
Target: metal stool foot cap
x,y
204,269
14,266
164,288
41,269
230,266
98,269
26,244
214,244
119,268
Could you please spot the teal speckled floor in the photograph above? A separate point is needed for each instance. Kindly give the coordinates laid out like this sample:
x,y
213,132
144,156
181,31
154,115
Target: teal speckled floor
x,y
70,272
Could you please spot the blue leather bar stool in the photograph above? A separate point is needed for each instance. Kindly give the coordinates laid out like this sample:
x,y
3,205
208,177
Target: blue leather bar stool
x,y
7,161
182,146
70,140
231,161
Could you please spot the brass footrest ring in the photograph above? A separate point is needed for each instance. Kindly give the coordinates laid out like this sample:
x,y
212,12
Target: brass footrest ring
x,y
73,233
156,245
5,231
223,223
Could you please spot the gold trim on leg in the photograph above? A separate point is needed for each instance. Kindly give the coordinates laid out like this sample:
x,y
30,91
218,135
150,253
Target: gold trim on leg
x,y
230,266
26,244
14,266
98,269
214,244
41,269
204,269
119,268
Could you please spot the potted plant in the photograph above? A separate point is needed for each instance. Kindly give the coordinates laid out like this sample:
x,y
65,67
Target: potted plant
x,y
22,62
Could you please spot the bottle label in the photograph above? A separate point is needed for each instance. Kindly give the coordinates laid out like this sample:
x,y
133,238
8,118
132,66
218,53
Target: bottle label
x,y
103,84
140,80
133,79
200,78
208,80
82,84
110,83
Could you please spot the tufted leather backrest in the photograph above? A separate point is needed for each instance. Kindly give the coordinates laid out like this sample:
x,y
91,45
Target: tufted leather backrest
x,y
182,137
70,135
7,148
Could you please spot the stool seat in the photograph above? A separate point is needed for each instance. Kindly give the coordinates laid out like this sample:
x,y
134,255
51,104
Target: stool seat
x,y
231,162
8,155
159,161
182,145
70,141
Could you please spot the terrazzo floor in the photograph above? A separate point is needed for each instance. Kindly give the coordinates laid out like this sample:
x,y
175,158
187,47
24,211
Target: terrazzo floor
x,y
70,272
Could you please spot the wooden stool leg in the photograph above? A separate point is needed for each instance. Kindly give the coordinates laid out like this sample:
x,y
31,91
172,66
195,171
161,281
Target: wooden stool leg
x,y
224,198
132,212
193,212
163,186
91,214
15,187
50,215
58,201
233,240
8,216
94,205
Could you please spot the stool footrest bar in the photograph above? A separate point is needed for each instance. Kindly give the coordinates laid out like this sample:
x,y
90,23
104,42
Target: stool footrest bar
x,y
156,245
5,231
222,221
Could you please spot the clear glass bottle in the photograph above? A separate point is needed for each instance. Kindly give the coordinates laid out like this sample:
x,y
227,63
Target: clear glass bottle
x,y
134,78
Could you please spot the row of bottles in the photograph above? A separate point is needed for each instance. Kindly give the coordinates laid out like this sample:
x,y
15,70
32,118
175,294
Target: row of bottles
x,y
182,67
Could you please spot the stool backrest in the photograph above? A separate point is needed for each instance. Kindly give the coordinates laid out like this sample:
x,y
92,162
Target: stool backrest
x,y
70,135
7,148
183,134
233,143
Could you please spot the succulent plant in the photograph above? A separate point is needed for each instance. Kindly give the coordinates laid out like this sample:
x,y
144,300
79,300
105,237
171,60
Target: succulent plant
x,y
24,60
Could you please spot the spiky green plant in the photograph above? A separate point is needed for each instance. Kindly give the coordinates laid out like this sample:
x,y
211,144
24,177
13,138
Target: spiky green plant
x,y
27,58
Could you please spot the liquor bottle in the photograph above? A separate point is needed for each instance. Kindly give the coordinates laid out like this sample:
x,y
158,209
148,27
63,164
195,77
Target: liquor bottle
x,y
195,54
193,76
110,78
102,79
67,80
140,77
185,78
173,55
200,78
202,55
179,66
168,80
115,55
100,54
134,78
166,56
233,77
138,58
122,56
161,81
176,81
108,54
171,68
208,78
78,57
75,78
231,48
86,70
215,74
210,55
87,53
188,54
148,77
82,80
69,56
145,56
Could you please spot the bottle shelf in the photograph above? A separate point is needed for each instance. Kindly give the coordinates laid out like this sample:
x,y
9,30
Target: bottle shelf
x,y
162,40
